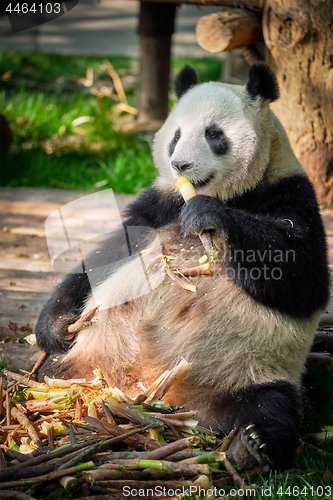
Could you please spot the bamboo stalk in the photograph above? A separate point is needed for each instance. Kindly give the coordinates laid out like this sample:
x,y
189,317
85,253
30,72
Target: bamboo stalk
x,y
188,191
202,269
48,477
68,482
177,468
177,373
50,434
23,380
97,448
38,362
240,482
319,451
142,397
16,455
182,283
226,442
57,453
175,457
119,484
88,315
3,463
78,410
7,409
1,397
72,435
116,81
15,495
76,328
107,412
124,410
138,474
138,441
27,472
171,448
165,465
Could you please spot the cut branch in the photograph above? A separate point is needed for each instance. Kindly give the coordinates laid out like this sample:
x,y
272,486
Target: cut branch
x,y
228,30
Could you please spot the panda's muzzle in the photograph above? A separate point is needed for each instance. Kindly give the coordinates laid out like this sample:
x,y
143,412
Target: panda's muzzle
x,y
203,182
181,166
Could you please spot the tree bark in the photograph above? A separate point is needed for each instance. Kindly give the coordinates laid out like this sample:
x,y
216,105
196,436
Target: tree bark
x,y
299,36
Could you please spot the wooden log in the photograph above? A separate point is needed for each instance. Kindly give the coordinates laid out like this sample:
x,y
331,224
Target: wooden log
x,y
326,320
228,30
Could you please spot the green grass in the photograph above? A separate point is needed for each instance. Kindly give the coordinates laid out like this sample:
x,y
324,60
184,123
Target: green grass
x,y
42,95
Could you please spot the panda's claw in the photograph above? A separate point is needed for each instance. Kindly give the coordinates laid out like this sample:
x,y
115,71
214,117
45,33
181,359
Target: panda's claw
x,y
248,449
254,436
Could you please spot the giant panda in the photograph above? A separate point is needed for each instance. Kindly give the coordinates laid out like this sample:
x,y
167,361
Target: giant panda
x,y
248,328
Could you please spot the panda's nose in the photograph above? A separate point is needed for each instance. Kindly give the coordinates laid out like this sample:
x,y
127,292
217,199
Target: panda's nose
x,y
181,165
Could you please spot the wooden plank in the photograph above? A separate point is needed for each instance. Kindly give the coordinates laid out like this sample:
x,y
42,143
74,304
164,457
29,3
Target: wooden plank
x,y
21,356
25,263
28,207
25,281
22,308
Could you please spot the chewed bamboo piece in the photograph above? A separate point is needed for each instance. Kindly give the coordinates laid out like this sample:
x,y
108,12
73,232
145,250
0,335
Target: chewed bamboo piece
x,y
187,191
187,285
83,322
176,374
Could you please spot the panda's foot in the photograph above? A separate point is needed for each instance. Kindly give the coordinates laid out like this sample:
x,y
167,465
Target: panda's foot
x,y
249,450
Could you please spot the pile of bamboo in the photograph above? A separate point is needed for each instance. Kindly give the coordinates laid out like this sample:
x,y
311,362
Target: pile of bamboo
x,y
90,438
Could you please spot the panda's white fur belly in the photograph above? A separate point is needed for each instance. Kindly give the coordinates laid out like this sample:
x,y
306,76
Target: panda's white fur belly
x,y
217,328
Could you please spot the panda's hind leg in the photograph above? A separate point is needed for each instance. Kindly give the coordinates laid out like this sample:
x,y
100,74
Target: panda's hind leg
x,y
266,418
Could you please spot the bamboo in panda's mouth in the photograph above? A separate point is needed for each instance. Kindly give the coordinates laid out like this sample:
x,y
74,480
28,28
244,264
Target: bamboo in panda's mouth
x,y
187,191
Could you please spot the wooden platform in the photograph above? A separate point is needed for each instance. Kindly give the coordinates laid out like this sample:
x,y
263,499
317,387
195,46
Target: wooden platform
x,y
27,277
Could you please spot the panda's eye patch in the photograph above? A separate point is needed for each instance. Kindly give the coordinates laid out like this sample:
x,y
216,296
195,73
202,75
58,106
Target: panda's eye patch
x,y
216,139
174,141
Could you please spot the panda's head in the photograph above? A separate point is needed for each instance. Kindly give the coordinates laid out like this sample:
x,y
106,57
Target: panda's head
x,y
218,135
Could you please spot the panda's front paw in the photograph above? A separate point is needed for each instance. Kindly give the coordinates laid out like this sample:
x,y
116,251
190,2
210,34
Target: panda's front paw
x,y
201,213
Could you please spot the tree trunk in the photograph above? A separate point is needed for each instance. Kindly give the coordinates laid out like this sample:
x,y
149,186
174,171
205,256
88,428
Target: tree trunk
x,y
156,25
299,36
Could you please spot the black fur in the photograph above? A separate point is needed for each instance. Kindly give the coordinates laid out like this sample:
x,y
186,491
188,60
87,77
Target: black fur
x,y
262,82
284,217
216,139
273,410
152,210
174,141
185,79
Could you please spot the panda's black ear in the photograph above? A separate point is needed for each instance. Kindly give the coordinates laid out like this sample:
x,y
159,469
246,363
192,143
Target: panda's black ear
x,y
185,79
262,82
